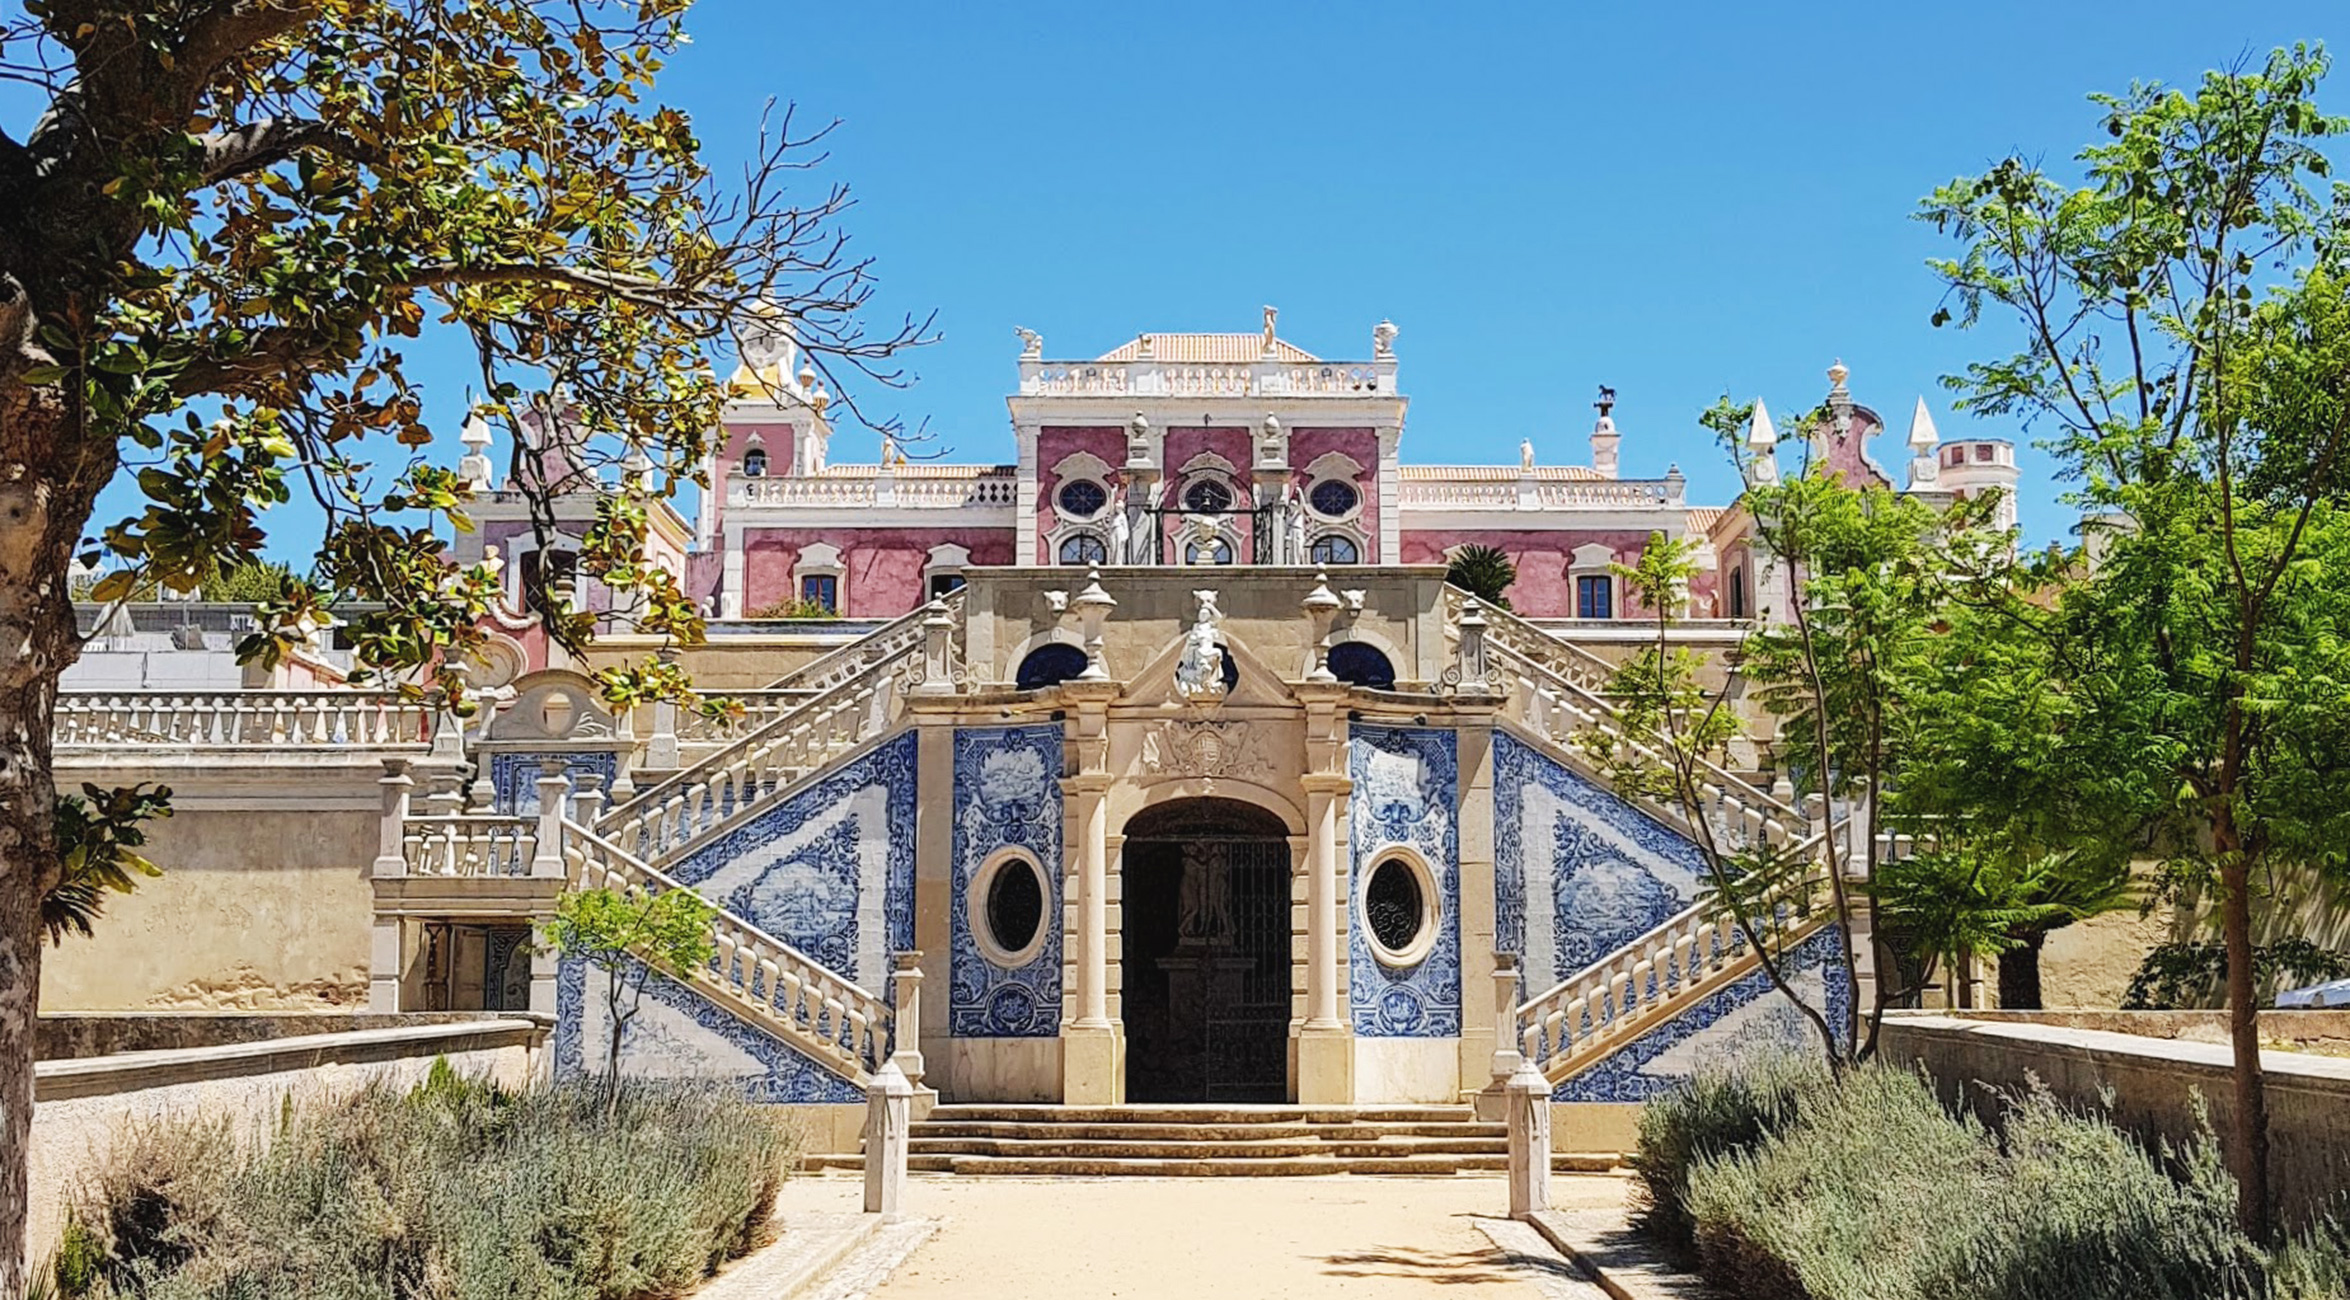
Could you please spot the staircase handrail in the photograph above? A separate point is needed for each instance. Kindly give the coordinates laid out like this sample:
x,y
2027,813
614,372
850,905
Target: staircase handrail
x,y
1583,676
1681,956
780,987
889,640
695,799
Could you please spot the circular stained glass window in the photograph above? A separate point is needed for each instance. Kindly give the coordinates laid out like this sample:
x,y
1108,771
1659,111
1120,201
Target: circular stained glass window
x,y
1334,498
1207,497
1394,907
1082,498
1015,906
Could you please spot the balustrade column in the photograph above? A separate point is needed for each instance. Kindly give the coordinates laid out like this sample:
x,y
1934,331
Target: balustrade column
x,y
554,789
908,1015
1506,1057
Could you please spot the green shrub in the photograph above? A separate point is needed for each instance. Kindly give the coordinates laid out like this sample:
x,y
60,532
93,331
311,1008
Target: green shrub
x,y
453,1191
1873,1191
1721,1109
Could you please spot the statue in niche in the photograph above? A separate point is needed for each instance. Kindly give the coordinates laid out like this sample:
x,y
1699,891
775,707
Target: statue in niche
x,y
1199,673
1202,912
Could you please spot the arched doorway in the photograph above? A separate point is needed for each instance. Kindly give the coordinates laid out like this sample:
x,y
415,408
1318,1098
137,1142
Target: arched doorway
x,y
1205,1000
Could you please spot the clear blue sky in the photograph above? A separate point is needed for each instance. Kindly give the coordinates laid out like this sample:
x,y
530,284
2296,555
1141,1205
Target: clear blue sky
x,y
1676,200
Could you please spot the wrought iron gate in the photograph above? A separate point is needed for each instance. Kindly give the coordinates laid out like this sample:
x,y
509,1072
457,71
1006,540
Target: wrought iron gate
x,y
1207,960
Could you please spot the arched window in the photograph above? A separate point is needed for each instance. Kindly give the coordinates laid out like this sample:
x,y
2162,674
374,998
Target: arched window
x,y
1360,664
1738,592
1336,548
1082,498
1049,665
1084,548
1215,550
755,463
1207,497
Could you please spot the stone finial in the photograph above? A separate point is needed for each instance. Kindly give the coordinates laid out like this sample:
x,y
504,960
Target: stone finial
x,y
1676,486
1321,606
1031,343
1837,374
1762,448
1138,442
1604,438
1271,448
1093,606
1925,461
1383,339
1144,348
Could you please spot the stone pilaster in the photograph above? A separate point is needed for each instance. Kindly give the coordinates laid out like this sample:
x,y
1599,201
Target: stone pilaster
x,y
1325,1040
1092,1059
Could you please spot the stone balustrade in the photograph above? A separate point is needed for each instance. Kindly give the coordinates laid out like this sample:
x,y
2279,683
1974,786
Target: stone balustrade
x,y
760,707
866,488
469,845
778,987
1269,378
664,817
240,719
1473,488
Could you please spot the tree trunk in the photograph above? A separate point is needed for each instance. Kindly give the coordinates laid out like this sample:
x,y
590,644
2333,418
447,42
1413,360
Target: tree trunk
x,y
2250,1162
2019,974
40,520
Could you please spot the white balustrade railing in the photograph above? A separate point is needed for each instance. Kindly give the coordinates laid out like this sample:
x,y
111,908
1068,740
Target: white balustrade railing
x,y
240,719
1555,690
760,707
469,845
1688,956
889,641
1574,1022
779,987
1431,490
852,490
695,801
1271,378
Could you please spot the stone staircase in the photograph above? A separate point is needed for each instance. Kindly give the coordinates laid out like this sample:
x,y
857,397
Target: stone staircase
x,y
1556,700
1207,1141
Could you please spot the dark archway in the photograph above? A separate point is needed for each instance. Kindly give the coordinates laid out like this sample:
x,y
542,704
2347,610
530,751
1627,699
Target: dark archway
x,y
1206,990
1049,665
1359,663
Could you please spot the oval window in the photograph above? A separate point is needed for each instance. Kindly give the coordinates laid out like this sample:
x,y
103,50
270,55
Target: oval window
x,y
1333,498
1082,498
1014,908
1395,908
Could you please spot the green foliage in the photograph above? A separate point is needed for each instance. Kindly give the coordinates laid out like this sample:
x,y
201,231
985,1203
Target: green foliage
x,y
251,583
2192,973
630,934
803,609
78,1267
1484,572
1872,1191
1971,898
98,838
1724,1107
455,1189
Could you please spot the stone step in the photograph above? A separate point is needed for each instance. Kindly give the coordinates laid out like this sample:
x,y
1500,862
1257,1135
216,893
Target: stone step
x,y
981,1112
1203,1132
1199,1150
1227,1167
1564,1162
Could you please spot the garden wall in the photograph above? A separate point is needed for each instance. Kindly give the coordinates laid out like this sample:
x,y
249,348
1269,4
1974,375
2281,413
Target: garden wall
x,y
82,1104
2154,1082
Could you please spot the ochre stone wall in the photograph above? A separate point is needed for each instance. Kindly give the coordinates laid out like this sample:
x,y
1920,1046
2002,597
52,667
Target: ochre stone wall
x,y
256,910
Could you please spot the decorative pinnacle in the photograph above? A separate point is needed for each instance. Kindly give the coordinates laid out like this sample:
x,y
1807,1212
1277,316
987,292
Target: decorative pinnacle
x,y
1837,373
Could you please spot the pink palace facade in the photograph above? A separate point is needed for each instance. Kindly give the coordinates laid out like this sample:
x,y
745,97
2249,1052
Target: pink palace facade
x,y
1212,450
